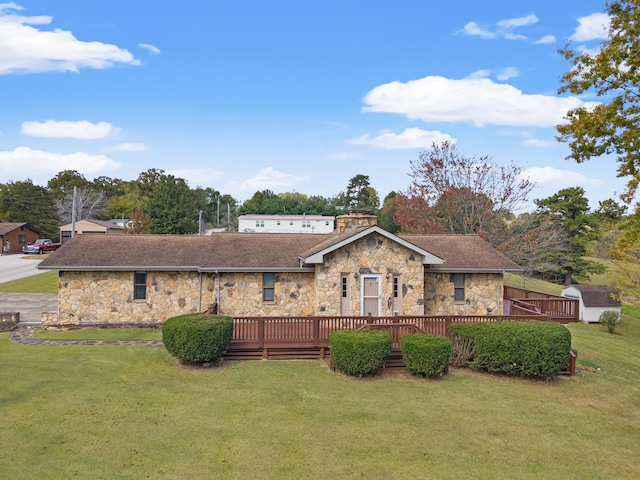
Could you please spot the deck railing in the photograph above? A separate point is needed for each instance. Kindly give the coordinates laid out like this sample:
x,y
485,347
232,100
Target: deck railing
x,y
314,332
526,302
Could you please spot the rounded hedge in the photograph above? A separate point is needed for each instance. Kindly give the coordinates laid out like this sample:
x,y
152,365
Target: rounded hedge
x,y
198,337
359,353
425,355
534,349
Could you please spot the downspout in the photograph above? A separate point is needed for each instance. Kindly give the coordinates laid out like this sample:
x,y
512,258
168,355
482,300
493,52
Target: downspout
x,y
200,293
218,292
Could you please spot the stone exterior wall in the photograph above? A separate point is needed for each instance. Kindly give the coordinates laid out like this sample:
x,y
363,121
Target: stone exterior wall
x,y
241,294
386,258
483,295
107,297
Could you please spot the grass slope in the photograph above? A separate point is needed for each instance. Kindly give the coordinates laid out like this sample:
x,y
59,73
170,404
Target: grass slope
x,y
133,412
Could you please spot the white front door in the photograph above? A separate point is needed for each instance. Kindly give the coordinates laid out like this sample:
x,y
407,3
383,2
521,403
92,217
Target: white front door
x,y
370,291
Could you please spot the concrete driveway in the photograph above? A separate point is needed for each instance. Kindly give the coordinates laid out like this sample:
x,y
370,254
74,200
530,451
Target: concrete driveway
x,y
16,266
30,305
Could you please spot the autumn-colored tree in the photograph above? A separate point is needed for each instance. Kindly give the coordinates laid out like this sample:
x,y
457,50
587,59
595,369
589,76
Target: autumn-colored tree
x,y
626,257
139,223
450,192
612,74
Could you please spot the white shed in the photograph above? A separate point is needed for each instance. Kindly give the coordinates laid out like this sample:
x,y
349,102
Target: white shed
x,y
594,299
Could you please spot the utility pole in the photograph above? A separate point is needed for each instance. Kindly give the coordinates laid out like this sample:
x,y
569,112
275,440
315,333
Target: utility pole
x,y
200,222
73,212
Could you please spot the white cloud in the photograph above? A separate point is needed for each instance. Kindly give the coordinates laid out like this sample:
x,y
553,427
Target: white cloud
x,y
537,143
26,49
268,178
196,176
507,73
513,36
474,30
547,39
557,177
50,162
128,147
477,100
592,27
151,48
410,138
64,129
518,22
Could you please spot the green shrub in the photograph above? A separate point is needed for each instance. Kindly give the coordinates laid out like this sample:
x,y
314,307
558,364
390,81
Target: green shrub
x,y
527,349
610,319
198,337
425,355
359,353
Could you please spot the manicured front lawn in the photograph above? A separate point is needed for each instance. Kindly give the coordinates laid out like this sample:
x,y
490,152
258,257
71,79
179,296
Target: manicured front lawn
x,y
40,283
141,334
107,412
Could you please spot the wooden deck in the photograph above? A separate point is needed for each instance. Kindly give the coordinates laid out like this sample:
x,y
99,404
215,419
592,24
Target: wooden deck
x,y
519,301
273,338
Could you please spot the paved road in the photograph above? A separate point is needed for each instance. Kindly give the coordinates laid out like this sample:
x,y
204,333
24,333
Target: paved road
x,y
16,266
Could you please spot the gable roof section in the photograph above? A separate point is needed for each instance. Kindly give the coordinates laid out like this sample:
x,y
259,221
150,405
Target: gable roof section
x,y
317,253
8,227
277,252
222,252
596,295
464,253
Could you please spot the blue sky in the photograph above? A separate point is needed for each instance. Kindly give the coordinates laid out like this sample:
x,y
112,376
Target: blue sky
x,y
290,96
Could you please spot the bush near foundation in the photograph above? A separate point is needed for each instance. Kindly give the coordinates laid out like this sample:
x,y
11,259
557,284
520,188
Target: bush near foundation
x,y
532,349
359,353
198,337
425,355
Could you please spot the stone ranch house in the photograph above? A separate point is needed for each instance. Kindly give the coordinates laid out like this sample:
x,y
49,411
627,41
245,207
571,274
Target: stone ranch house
x,y
354,271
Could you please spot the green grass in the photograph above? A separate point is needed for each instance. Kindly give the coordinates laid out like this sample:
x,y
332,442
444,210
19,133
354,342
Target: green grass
x,y
40,283
108,412
519,281
141,334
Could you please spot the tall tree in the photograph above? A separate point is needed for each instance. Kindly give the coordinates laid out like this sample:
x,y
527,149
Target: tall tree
x,y
571,208
450,192
64,181
25,202
360,195
89,203
387,212
172,207
613,74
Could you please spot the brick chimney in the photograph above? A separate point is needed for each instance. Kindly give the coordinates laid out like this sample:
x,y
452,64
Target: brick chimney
x,y
352,220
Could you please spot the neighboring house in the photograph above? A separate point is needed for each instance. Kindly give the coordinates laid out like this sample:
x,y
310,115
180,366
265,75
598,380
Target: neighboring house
x,y
18,234
285,224
594,300
354,271
90,226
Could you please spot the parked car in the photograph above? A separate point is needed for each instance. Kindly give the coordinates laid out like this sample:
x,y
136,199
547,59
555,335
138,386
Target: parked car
x,y
42,245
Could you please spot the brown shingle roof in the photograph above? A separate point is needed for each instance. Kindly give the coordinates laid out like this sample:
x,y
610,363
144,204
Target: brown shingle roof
x,y
251,251
463,252
223,251
597,295
7,227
